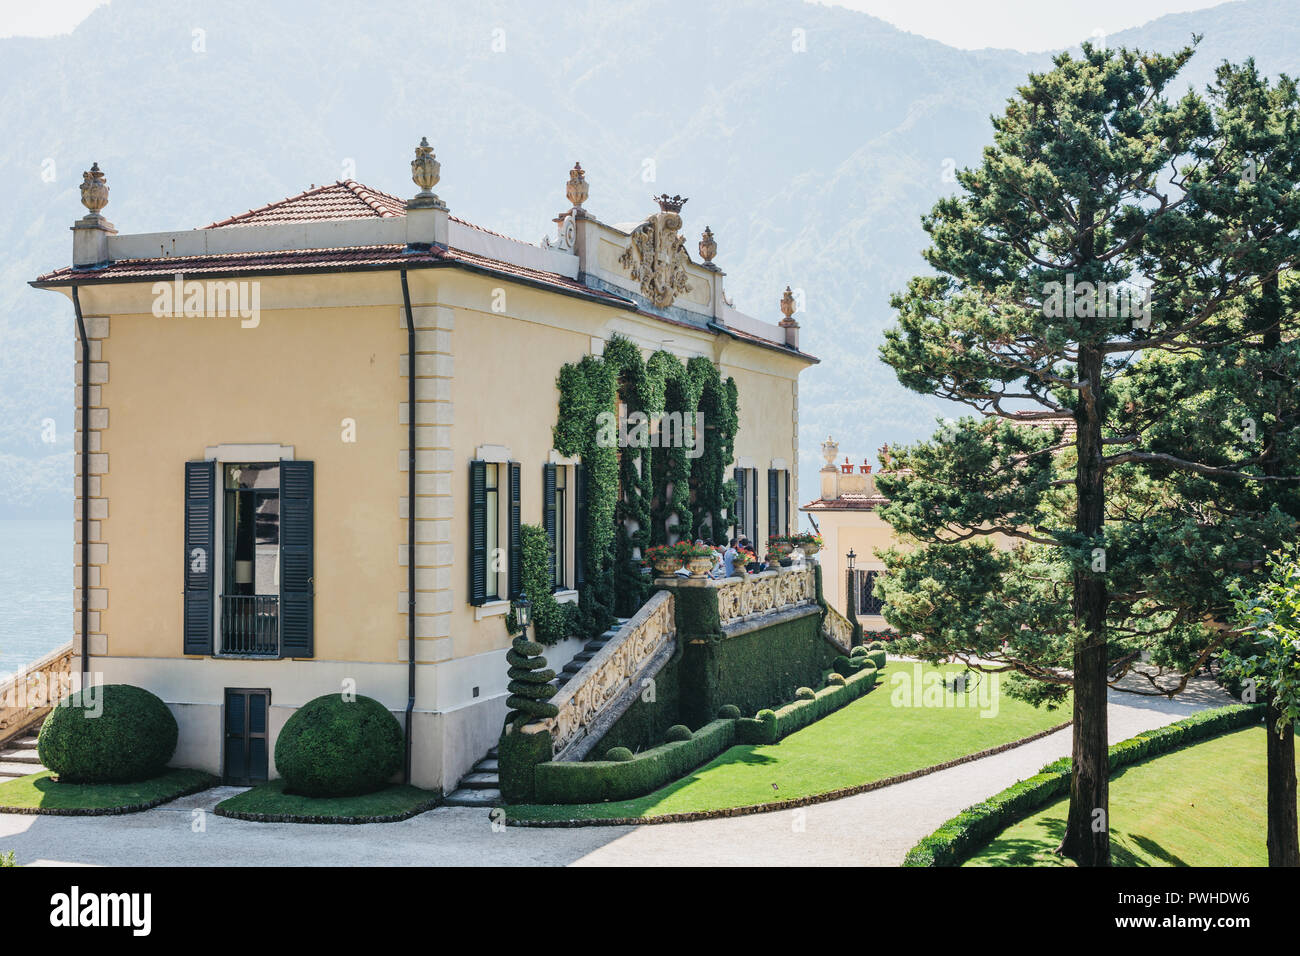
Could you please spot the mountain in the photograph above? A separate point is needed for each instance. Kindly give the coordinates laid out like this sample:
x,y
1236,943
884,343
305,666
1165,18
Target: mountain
x,y
810,138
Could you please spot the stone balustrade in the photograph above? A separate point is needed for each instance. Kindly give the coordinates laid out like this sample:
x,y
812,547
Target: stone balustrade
x,y
744,598
838,629
610,675
32,692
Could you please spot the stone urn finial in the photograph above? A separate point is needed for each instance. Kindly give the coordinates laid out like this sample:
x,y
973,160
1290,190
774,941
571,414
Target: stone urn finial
x,y
426,171
708,246
94,190
576,189
788,307
830,451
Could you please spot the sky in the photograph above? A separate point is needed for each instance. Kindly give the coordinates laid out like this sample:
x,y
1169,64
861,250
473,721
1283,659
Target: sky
x,y
1025,25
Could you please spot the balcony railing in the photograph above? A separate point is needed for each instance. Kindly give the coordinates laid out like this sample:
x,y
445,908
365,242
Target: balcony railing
x,y
250,625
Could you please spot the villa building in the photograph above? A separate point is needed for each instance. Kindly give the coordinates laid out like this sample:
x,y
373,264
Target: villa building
x,y
312,431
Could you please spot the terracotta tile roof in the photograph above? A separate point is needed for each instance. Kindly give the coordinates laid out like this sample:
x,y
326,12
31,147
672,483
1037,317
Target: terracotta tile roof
x,y
345,199
848,502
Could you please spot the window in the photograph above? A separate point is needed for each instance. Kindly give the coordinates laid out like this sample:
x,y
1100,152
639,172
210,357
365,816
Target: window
x,y
495,557
747,507
868,603
250,574
555,519
778,501
249,569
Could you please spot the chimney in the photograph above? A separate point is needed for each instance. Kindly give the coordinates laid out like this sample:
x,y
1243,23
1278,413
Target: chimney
x,y
90,233
426,214
830,473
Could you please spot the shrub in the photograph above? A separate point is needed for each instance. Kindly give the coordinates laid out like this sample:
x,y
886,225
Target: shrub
x,y
804,710
877,659
804,693
861,650
875,646
530,684
835,680
518,754
952,843
677,732
728,712
759,729
552,621
332,747
631,775
114,733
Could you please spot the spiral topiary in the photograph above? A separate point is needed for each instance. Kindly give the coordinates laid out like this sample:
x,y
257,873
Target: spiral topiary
x,y
530,684
677,732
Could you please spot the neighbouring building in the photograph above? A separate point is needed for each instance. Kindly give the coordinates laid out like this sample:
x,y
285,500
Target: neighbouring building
x,y
250,504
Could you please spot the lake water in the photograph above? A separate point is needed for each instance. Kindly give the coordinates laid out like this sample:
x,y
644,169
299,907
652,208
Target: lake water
x,y
35,590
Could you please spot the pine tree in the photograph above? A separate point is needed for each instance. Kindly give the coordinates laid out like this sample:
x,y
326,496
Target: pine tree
x,y
1107,231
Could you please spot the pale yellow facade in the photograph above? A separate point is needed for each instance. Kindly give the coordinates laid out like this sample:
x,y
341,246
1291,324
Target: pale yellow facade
x,y
321,377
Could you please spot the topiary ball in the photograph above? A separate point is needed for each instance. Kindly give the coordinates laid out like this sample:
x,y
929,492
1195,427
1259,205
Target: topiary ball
x,y
676,733
111,733
335,747
836,680
618,753
728,712
766,716
876,646
860,651
804,693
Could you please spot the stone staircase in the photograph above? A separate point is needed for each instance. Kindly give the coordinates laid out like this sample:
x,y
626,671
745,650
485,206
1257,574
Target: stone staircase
x,y
588,652
18,757
481,787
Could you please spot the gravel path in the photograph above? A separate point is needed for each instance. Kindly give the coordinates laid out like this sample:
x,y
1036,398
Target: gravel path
x,y
875,828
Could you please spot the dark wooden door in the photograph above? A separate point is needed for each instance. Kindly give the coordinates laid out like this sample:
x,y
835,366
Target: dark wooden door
x,y
246,716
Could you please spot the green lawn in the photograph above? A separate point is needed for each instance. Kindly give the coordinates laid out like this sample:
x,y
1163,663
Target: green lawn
x,y
268,800
873,738
1204,805
39,793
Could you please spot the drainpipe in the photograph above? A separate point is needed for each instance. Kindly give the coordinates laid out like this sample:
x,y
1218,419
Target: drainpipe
x,y
410,518
85,488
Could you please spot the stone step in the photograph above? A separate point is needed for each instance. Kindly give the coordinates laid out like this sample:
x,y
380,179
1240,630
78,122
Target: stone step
x,y
25,755
473,798
487,765
23,742
480,781
8,769
492,752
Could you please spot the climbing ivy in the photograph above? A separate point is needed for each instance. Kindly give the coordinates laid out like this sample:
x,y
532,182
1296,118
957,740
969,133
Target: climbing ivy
x,y
639,495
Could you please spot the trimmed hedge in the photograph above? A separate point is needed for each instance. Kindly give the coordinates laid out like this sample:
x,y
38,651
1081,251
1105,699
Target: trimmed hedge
x,y
956,840
767,726
331,747
518,755
678,732
111,733
598,780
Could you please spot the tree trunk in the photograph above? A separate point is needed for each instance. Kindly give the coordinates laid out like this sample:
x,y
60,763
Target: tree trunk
x,y
1087,828
1283,840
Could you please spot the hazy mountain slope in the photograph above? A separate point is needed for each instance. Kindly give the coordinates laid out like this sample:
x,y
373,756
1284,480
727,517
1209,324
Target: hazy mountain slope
x,y
811,167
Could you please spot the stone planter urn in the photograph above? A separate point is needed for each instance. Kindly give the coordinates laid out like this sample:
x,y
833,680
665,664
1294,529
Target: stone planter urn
x,y
809,549
699,566
667,567
782,548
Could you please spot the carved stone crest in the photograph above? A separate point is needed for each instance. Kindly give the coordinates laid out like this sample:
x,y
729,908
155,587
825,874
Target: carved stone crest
x,y
656,257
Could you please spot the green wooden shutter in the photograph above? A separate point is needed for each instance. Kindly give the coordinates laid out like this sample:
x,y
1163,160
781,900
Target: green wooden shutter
x,y
516,572
297,558
579,525
786,503
200,504
740,505
548,512
773,502
477,532
753,506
